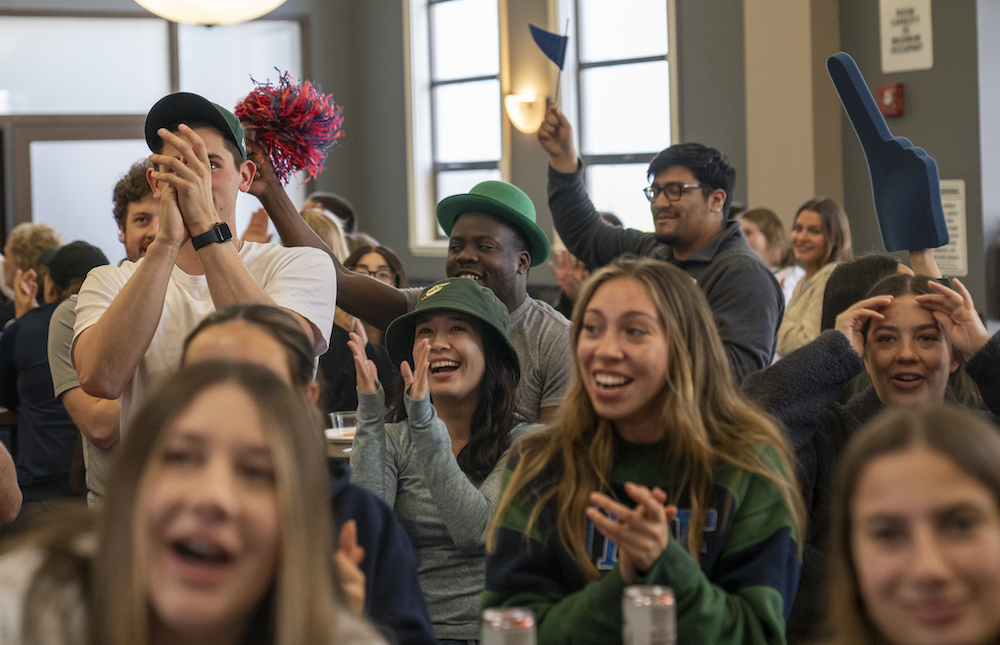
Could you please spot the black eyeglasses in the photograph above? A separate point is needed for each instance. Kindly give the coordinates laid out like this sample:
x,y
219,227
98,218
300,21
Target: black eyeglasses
x,y
673,190
381,274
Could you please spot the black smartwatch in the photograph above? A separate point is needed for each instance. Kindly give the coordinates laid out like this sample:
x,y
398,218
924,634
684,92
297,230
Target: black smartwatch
x,y
215,235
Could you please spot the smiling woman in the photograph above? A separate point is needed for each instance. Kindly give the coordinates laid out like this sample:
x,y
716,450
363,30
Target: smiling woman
x,y
216,529
920,342
916,514
654,472
438,465
821,239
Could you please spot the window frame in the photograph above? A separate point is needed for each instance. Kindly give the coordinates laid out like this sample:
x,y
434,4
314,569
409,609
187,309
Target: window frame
x,y
571,82
422,168
17,131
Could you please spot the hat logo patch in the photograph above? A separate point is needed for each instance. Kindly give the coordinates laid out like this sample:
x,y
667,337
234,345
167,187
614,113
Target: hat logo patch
x,y
434,289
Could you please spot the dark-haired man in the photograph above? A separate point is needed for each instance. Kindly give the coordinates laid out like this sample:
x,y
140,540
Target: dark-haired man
x,y
690,192
494,240
132,319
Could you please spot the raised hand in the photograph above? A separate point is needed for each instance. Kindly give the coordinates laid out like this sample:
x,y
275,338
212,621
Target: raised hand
x,y
358,328
956,313
556,137
348,559
570,272
905,183
367,373
850,322
922,262
25,292
190,175
256,230
641,533
266,178
415,380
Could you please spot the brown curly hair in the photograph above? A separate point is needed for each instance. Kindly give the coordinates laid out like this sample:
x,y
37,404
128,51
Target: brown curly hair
x,y
132,187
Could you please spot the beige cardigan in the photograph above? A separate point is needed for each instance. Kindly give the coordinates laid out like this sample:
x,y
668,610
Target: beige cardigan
x,y
804,311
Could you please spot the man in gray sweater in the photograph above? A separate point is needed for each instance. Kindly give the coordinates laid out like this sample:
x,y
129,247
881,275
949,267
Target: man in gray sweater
x,y
691,190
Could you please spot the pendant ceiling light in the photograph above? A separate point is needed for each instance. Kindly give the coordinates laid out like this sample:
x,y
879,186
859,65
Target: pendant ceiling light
x,y
210,12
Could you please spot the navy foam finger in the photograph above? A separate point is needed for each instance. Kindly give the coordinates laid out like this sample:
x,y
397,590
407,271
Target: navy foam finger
x,y
905,184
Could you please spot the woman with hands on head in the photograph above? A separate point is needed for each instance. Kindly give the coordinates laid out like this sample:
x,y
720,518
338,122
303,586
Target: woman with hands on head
x,y
440,460
919,341
655,471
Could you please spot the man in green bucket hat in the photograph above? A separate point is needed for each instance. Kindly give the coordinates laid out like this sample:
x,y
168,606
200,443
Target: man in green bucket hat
x,y
494,240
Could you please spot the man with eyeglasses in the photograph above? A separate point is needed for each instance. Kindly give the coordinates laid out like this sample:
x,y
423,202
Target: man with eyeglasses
x,y
689,196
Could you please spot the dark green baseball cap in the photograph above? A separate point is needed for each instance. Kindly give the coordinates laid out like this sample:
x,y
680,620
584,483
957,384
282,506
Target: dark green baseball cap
x,y
463,295
504,201
184,107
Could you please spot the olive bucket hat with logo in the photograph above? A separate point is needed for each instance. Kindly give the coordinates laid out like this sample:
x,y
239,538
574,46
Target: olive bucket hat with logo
x,y
463,295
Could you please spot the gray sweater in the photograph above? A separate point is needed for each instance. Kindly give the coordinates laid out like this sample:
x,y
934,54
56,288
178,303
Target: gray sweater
x,y
410,466
745,299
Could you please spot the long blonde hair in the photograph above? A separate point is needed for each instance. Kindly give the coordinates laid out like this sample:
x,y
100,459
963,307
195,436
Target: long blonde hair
x,y
328,228
299,608
706,421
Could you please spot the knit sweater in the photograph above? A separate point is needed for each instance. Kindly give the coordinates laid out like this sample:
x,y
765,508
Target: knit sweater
x,y
738,591
804,313
411,467
801,390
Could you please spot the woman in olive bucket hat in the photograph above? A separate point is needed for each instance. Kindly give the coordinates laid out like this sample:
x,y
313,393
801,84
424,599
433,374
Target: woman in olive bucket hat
x,y
439,465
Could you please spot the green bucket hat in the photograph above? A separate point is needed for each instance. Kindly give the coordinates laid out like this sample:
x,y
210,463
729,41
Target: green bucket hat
x,y
501,200
455,294
183,107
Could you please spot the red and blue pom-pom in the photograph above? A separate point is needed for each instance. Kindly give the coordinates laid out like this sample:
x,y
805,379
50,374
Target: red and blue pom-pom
x,y
295,124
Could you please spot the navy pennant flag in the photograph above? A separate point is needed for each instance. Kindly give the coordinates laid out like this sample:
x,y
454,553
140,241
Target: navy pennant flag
x,y
552,45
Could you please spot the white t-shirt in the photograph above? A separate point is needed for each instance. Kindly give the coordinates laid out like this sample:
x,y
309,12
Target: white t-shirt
x,y
300,279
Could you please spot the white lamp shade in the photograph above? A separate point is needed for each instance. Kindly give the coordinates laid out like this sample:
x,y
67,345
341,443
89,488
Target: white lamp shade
x,y
525,111
210,12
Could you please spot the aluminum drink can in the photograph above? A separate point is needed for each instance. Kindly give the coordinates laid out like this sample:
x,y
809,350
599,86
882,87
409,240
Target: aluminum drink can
x,y
648,616
507,626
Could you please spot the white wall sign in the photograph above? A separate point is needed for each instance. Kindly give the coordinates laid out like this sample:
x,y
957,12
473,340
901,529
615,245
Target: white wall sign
x,y
953,257
907,43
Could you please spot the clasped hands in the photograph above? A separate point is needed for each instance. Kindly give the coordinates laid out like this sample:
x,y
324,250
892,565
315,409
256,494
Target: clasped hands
x,y
183,185
641,533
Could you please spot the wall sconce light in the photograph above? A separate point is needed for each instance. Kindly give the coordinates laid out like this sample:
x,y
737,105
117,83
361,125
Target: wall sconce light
x,y
525,111
210,12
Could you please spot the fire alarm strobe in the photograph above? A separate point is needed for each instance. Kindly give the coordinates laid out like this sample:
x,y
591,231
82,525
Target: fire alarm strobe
x,y
890,99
